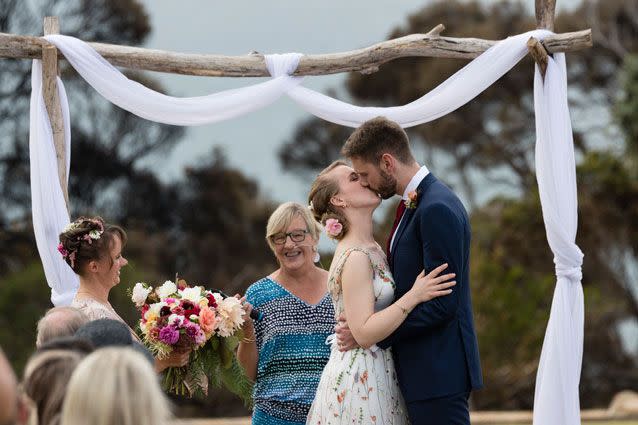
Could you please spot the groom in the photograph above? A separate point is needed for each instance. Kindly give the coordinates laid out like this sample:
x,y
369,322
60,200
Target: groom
x,y
435,349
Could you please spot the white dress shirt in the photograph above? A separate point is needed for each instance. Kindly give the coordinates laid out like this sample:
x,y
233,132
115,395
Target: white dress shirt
x,y
412,186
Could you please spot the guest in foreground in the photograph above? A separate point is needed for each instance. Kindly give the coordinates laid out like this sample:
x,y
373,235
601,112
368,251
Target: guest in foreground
x,y
46,378
93,249
128,392
59,322
285,352
13,409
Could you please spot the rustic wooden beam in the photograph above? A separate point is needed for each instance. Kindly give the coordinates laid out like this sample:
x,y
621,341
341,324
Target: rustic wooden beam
x,y
52,100
538,52
253,65
545,11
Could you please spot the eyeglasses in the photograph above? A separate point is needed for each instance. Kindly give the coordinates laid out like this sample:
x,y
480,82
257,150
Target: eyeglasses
x,y
295,236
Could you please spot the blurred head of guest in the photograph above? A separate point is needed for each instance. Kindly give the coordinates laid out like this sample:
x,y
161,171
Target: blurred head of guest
x,y
9,398
45,381
108,333
128,394
105,332
73,343
59,322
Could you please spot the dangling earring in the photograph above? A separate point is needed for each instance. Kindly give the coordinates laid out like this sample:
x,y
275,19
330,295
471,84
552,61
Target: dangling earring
x,y
316,257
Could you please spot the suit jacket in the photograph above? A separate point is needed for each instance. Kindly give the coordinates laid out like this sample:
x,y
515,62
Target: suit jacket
x,y
435,348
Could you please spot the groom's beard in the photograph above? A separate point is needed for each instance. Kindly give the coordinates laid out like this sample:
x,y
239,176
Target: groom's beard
x,y
388,187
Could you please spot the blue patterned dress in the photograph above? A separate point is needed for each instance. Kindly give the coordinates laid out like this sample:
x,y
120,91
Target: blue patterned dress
x,y
291,341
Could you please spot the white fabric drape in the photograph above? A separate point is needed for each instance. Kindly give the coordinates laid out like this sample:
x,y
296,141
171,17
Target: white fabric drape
x,y
556,398
48,208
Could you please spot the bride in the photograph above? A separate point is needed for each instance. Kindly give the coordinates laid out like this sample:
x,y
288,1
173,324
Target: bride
x,y
360,385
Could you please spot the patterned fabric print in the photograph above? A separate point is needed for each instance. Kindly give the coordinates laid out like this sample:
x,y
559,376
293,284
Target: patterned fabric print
x,y
291,340
360,386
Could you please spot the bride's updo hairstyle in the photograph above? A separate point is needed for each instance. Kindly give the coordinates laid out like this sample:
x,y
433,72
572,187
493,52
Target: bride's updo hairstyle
x,y
321,192
88,239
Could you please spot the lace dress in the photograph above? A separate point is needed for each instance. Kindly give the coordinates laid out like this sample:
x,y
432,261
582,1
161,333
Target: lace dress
x,y
95,310
359,386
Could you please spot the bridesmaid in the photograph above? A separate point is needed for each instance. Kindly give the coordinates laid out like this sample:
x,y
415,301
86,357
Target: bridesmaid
x,y
93,249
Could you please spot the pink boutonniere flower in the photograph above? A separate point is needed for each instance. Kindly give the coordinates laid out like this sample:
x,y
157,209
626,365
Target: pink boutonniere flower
x,y
333,227
413,199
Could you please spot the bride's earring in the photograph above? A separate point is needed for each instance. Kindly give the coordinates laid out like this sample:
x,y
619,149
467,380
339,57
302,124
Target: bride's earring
x,y
316,257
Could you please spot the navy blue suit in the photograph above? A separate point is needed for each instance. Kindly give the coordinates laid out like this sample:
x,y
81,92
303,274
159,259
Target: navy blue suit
x,y
435,348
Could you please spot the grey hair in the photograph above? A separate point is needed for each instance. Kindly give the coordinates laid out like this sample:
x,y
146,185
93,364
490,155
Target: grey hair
x,y
59,322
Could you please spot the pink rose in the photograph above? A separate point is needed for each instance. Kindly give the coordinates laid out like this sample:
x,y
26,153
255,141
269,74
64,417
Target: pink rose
x,y
333,227
207,320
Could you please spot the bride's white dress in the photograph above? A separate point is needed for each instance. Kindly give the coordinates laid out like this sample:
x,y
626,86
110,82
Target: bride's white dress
x,y
359,386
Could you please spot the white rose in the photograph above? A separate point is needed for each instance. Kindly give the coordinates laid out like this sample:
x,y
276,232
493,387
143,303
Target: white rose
x,y
192,294
140,292
194,318
167,289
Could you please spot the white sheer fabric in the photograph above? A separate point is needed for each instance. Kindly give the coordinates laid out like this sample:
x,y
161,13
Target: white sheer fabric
x,y
556,398
48,208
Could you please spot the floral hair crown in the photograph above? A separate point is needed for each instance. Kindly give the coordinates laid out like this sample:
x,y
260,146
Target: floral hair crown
x,y
89,237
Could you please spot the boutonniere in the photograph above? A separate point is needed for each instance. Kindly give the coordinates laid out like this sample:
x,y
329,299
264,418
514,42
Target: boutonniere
x,y
413,200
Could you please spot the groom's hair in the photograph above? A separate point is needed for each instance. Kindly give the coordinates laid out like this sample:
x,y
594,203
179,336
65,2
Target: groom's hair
x,y
374,138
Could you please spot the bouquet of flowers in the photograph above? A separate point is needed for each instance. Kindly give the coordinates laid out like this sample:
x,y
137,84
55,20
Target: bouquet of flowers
x,y
182,318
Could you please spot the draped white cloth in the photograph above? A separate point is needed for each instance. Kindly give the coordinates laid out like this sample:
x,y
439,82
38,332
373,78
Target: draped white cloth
x,y
556,398
48,208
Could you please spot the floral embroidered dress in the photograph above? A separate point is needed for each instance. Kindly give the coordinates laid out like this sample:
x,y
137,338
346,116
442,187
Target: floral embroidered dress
x,y
359,386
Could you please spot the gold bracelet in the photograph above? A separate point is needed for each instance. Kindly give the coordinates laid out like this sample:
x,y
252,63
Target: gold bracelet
x,y
404,310
248,340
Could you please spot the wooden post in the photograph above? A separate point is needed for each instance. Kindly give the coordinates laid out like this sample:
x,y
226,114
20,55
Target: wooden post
x,y
545,11
52,100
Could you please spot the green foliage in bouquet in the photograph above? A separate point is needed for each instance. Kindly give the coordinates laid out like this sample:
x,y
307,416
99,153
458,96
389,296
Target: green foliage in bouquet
x,y
214,365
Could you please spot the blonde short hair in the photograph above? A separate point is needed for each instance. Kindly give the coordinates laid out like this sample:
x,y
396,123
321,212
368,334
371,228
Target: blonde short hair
x,y
115,386
285,213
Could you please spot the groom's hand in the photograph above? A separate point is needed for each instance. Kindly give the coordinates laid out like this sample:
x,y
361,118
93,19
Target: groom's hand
x,y
345,340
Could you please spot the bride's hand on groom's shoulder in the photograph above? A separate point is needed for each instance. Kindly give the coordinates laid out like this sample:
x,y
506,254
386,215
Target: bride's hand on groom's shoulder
x,y
345,340
433,284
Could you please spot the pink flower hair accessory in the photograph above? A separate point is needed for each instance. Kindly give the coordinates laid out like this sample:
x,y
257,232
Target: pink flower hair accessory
x,y
333,227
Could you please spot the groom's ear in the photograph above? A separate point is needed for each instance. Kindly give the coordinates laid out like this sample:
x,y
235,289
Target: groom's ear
x,y
387,163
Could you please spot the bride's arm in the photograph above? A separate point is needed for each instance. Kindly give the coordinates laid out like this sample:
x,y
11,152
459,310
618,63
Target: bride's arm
x,y
369,327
